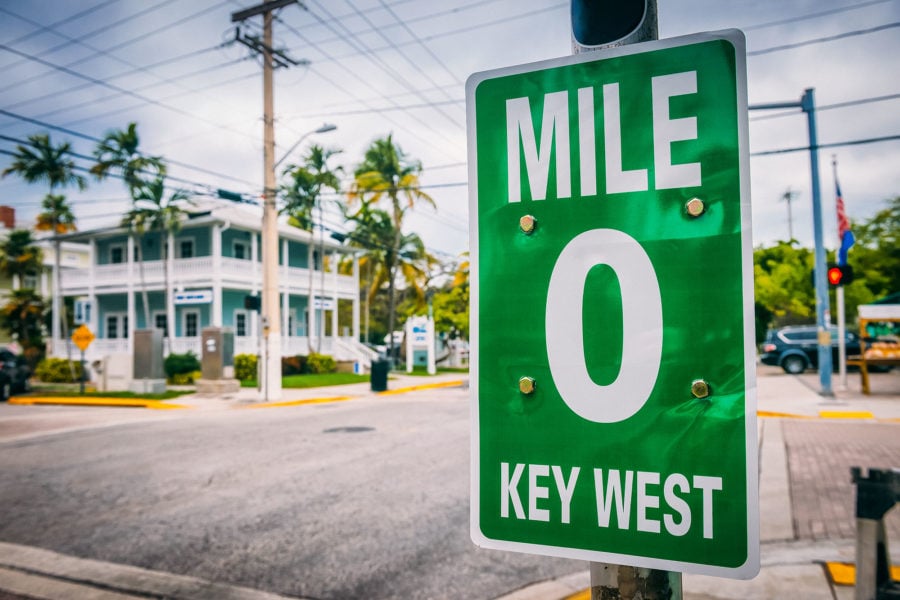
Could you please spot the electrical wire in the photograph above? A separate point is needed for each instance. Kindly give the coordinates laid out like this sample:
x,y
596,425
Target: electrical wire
x,y
822,40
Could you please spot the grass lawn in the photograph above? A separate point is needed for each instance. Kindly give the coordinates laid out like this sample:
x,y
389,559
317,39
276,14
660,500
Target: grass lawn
x,y
423,371
320,380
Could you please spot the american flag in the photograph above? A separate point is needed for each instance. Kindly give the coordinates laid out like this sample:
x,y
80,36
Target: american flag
x,y
844,233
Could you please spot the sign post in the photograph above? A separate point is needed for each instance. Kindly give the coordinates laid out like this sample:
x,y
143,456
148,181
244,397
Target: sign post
x,y
82,336
613,378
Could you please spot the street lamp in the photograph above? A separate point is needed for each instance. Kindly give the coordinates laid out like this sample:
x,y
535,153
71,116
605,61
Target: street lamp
x,y
271,312
326,127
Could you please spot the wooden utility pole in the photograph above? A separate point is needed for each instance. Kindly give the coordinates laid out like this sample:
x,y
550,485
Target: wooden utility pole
x,y
270,371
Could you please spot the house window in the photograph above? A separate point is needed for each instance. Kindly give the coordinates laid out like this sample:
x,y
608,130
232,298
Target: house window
x,y
116,326
116,254
30,281
191,324
184,248
241,251
292,319
160,322
241,323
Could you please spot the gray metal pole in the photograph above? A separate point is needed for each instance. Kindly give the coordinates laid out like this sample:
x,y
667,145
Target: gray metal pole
x,y
609,580
823,310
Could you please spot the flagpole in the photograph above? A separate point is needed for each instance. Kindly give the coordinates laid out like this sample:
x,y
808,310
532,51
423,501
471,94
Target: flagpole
x,y
839,293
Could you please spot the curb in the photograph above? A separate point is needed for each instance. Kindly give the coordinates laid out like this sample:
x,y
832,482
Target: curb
x,y
77,401
40,573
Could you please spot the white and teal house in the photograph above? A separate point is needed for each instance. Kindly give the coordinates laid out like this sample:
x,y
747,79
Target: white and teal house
x,y
214,263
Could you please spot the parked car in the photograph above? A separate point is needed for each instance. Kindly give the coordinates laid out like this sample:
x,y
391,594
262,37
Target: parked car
x,y
796,348
14,374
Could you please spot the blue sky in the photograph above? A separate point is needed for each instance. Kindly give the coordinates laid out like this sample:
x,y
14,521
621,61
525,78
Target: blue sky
x,y
78,68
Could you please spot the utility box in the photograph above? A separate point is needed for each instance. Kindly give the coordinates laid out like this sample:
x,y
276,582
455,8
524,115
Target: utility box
x,y
148,374
217,361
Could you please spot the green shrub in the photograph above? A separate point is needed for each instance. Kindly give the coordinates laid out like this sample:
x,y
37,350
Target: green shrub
x,y
320,363
56,370
180,364
185,378
245,366
293,365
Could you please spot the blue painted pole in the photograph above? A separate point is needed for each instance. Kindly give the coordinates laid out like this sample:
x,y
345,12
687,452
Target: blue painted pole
x,y
823,310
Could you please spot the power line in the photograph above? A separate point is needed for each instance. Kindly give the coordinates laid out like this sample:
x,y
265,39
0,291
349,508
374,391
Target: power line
x,y
91,138
886,138
821,40
806,17
123,91
65,20
828,107
381,64
88,35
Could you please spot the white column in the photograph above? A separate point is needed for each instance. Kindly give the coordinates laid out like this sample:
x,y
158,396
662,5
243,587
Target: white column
x,y
254,286
92,278
286,294
334,295
356,297
131,301
169,297
216,319
311,310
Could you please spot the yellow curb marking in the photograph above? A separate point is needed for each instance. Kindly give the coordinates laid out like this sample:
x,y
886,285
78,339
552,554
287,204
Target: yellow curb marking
x,y
780,415
299,402
584,594
426,386
843,573
849,414
113,402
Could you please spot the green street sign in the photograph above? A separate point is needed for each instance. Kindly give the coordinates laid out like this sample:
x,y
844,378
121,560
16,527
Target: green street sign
x,y
613,365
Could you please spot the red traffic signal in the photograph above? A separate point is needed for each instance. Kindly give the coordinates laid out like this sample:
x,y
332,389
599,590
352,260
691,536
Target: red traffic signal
x,y
839,275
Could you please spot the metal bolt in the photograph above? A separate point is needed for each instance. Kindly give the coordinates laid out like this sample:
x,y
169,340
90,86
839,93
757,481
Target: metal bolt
x,y
695,207
699,388
527,224
526,385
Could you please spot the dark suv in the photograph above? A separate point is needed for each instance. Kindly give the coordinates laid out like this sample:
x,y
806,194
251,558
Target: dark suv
x,y
796,348
14,374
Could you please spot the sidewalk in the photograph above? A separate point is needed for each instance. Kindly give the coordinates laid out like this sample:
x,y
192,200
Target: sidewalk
x,y
807,501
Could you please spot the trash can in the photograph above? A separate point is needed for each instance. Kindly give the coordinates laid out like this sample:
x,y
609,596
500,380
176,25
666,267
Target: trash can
x,y
379,374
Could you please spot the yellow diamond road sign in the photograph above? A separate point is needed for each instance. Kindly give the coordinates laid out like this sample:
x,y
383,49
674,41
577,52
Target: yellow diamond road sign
x,y
83,337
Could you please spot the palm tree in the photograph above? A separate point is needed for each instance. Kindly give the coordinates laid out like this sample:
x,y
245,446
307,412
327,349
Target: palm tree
x,y
154,212
42,161
118,152
57,216
137,221
301,196
374,230
19,257
386,173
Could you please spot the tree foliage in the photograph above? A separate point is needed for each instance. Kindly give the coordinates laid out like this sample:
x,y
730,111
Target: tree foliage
x,y
783,273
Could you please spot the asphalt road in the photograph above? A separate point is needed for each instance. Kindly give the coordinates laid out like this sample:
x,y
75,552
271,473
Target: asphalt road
x,y
368,498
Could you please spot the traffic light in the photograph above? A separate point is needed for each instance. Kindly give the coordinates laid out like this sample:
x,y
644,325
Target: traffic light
x,y
252,303
839,275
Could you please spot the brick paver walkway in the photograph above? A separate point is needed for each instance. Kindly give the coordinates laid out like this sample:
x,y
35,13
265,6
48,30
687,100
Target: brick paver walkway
x,y
820,454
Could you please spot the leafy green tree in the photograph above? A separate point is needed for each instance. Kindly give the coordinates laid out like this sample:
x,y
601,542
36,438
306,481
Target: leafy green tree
x,y
20,257
155,212
42,161
784,288
57,216
301,196
387,173
22,317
